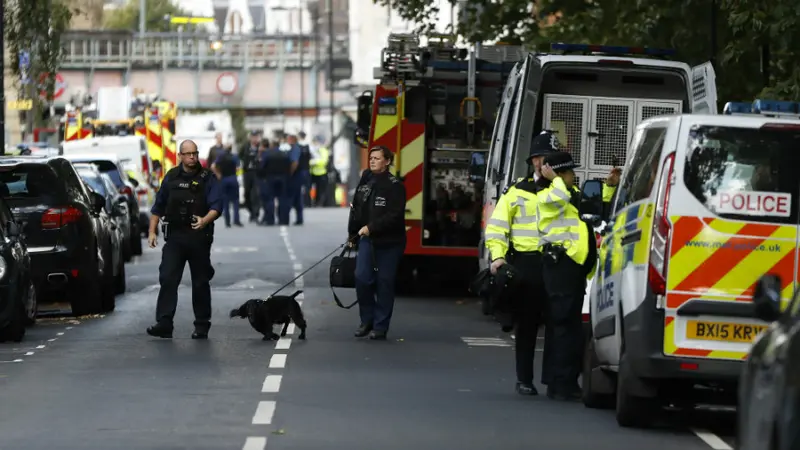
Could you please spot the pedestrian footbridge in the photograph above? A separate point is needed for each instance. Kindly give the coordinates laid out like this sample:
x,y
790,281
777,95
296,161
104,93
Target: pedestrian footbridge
x,y
266,72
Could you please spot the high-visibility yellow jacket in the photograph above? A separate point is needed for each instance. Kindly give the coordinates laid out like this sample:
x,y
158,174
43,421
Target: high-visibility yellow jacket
x,y
560,222
514,221
319,164
608,192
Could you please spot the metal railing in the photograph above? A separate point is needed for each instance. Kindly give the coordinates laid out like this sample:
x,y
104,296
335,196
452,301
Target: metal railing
x,y
191,50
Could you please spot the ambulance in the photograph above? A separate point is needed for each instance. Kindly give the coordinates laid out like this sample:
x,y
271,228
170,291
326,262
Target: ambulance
x,y
592,97
707,204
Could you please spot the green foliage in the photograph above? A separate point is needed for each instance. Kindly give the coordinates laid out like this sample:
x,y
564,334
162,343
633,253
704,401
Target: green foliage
x,y
36,26
238,123
743,26
127,17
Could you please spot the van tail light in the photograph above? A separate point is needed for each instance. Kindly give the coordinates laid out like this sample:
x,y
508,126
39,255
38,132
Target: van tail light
x,y
55,218
781,126
585,317
126,190
662,231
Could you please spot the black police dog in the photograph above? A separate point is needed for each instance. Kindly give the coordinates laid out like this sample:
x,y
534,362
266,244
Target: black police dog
x,y
278,309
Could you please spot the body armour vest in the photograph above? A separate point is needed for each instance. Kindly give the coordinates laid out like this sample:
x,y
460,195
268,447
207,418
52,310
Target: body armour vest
x,y
305,158
276,162
186,196
227,165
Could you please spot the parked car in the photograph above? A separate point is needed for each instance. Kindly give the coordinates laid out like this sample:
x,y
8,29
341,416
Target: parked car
x,y
18,305
115,217
769,398
63,226
110,164
145,194
116,203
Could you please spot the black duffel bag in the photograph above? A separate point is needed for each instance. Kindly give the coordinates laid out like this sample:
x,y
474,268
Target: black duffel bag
x,y
343,273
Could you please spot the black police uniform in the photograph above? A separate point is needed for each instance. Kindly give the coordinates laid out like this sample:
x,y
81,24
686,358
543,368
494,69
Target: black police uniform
x,y
274,169
250,163
379,203
304,170
186,197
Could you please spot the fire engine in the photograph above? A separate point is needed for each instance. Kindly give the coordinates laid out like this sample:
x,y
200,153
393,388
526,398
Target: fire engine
x,y
147,116
434,107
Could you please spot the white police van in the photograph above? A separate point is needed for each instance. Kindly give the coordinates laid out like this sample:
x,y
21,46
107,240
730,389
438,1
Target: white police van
x,y
706,206
592,97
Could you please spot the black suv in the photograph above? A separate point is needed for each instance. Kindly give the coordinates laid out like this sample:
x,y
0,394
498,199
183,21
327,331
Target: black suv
x,y
63,228
18,305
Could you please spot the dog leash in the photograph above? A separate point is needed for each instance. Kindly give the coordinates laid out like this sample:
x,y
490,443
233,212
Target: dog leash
x,y
309,269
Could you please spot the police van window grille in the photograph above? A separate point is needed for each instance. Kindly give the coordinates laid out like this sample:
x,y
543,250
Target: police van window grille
x,y
698,85
571,115
612,124
653,111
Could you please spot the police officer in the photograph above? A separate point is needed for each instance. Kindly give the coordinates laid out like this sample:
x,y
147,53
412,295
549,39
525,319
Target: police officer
x,y
298,177
274,170
319,171
216,150
304,168
250,178
512,233
377,226
189,201
225,168
569,258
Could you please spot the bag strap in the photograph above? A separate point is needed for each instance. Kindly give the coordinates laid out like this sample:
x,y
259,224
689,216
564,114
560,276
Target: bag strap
x,y
339,302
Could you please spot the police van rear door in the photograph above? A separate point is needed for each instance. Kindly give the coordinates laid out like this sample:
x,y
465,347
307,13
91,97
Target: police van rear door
x,y
734,217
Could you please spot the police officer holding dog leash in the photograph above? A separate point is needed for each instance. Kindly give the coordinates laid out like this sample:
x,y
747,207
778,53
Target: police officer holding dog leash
x,y
189,201
512,233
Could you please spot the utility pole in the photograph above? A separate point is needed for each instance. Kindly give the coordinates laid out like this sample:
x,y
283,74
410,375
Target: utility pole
x,y
302,49
142,15
317,42
3,76
330,64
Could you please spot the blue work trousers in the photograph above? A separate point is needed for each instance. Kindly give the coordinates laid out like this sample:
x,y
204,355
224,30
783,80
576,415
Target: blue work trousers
x,y
230,195
274,188
376,271
300,180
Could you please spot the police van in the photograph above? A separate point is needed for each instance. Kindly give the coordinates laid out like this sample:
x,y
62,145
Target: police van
x,y
592,97
706,205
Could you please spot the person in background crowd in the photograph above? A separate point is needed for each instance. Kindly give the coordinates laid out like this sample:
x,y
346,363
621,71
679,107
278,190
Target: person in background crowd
x,y
215,150
296,178
320,157
377,226
304,167
250,166
274,169
225,168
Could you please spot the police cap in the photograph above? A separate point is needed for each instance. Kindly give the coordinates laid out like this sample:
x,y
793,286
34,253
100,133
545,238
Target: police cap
x,y
560,161
544,144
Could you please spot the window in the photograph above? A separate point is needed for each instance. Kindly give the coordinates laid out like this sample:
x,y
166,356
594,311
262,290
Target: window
x,y
75,189
642,172
28,181
111,169
93,181
745,173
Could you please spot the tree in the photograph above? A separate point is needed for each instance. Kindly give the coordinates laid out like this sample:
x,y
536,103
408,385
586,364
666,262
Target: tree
x,y
127,17
745,25
35,27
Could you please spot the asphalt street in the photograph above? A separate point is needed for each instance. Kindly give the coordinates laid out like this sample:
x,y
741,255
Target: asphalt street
x,y
444,380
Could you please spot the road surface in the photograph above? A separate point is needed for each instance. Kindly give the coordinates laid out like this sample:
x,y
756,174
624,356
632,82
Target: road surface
x,y
444,380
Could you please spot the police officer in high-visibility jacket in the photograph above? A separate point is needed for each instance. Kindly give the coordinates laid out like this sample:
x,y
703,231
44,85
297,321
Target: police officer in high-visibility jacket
x,y
512,233
320,157
569,259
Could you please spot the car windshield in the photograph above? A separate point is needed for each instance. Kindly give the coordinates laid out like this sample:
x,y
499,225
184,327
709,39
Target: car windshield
x,y
27,181
94,181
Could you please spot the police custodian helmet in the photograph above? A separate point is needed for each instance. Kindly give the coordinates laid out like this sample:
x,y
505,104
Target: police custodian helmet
x,y
560,161
543,144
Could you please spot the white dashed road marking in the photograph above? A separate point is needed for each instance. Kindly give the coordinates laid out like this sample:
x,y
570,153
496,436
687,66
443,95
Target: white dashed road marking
x,y
485,342
272,383
711,439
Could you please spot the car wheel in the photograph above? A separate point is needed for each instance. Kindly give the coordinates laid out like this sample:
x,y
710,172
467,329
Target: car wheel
x,y
31,305
120,282
127,250
632,411
15,330
592,399
86,296
136,243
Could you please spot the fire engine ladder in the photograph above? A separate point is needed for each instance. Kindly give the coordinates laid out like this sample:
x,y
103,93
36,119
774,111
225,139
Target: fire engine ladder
x,y
471,102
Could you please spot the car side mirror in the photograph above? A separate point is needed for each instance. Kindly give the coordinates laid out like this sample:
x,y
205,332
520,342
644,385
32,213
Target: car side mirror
x,y
767,298
592,198
98,202
134,181
119,209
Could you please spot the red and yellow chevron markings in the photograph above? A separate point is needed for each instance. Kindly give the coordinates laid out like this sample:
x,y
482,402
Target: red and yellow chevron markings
x,y
722,260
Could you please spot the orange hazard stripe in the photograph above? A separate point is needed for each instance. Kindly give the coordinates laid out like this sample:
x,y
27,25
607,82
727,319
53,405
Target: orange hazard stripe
x,y
722,260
